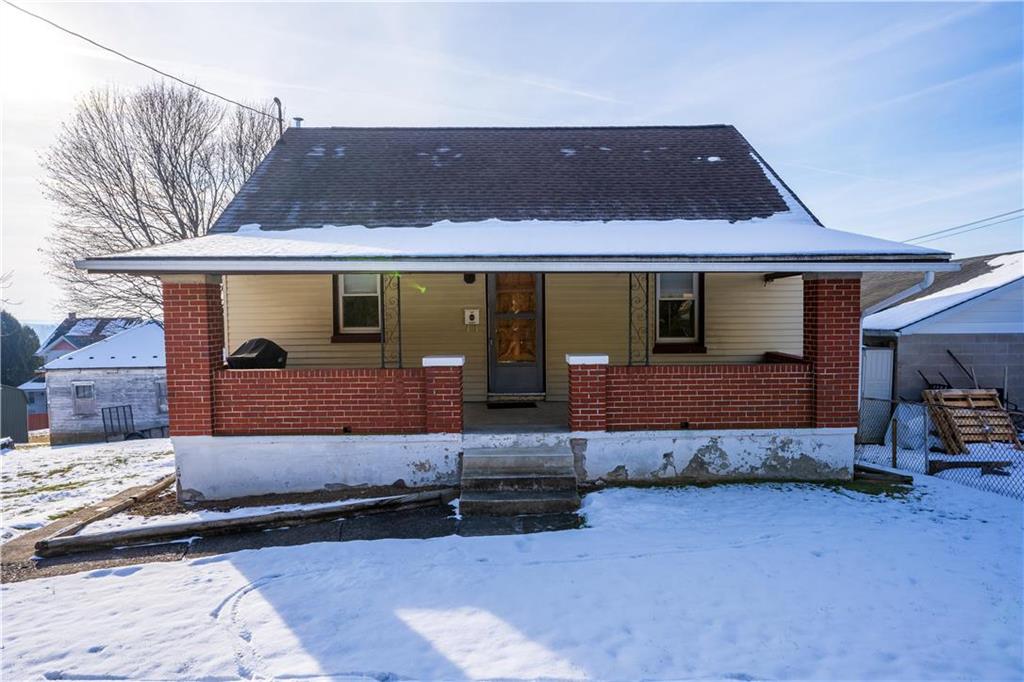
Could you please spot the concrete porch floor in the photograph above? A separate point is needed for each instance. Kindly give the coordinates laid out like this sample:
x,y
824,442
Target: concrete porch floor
x,y
546,417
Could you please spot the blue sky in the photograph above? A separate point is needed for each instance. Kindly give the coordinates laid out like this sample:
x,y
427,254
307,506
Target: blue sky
x,y
889,119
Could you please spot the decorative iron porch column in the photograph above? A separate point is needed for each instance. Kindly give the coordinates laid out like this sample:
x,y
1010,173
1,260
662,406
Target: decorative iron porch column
x,y
391,321
638,340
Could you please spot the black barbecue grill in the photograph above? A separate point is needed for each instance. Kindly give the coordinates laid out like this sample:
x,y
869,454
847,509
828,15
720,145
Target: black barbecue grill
x,y
258,354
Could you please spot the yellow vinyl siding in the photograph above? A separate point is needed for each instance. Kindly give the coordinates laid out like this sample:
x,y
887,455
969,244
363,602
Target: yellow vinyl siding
x,y
744,318
296,312
433,324
585,313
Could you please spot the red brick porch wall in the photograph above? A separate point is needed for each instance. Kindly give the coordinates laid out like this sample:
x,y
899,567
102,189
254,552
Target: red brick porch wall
x,y
205,398
319,401
783,392
709,397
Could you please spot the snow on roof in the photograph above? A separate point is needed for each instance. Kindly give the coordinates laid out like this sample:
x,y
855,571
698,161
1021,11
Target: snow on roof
x,y
34,384
781,235
1005,269
141,346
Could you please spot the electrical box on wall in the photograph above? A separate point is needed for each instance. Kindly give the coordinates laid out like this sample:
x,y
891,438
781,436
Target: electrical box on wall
x,y
471,315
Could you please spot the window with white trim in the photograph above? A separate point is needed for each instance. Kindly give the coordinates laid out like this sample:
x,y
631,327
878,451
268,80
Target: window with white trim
x,y
83,395
358,297
678,307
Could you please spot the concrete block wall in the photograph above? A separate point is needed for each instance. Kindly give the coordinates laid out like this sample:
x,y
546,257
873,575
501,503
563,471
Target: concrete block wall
x,y
988,354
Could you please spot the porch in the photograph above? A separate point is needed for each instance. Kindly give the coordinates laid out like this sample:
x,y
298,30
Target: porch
x,y
614,394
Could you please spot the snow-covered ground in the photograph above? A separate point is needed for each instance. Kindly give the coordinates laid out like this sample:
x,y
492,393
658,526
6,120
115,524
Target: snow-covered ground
x,y
732,581
40,484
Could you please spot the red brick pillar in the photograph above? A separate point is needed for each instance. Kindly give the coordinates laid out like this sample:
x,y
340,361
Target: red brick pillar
x,y
444,393
194,347
832,345
588,378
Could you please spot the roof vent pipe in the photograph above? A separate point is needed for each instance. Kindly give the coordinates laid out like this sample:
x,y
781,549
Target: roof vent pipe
x,y
298,121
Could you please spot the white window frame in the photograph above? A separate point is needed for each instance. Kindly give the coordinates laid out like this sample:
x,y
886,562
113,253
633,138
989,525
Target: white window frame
x,y
83,406
342,328
658,298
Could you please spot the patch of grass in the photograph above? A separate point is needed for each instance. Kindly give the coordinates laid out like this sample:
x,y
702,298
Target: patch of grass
x,y
891,490
68,512
55,487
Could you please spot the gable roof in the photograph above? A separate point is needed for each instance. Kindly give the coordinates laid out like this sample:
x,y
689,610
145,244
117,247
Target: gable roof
x,y
83,331
978,276
139,346
479,199
402,177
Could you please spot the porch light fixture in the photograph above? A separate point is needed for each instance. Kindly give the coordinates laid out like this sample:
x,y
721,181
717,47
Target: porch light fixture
x,y
469,277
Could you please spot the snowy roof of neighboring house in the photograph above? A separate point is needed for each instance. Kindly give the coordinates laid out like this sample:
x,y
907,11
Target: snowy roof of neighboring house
x,y
140,346
329,195
34,384
83,331
978,276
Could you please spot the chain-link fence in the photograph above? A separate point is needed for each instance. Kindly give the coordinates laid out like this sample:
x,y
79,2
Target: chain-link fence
x,y
976,447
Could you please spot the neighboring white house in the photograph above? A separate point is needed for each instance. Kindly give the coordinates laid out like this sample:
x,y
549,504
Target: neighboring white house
x,y
127,368
977,313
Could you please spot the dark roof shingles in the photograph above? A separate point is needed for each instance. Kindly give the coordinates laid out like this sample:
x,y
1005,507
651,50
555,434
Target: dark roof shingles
x,y
420,176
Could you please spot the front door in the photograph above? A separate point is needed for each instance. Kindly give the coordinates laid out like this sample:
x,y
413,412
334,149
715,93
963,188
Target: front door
x,y
515,332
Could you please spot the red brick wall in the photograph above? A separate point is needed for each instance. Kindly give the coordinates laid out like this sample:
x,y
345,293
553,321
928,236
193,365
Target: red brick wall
x,y
320,401
194,344
709,396
832,345
587,393
443,399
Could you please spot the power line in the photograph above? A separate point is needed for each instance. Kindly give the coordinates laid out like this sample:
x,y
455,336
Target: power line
x,y
957,227
979,227
142,64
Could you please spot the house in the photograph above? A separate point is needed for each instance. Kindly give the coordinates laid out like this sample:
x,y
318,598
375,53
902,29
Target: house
x,y
127,368
35,396
977,314
78,332
639,303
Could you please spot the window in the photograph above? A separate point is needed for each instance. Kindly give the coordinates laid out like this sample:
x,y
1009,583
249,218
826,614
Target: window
x,y
680,312
161,395
357,307
84,397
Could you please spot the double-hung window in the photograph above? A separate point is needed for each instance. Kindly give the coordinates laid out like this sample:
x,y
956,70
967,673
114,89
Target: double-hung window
x,y
357,311
679,308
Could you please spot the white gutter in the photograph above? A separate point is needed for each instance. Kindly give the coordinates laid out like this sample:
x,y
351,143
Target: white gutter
x,y
295,266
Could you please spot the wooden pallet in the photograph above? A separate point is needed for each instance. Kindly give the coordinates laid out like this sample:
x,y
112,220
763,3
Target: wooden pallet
x,y
965,416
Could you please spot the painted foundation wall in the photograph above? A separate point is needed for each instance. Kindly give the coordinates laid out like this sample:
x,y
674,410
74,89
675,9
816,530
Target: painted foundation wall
x,y
220,468
217,468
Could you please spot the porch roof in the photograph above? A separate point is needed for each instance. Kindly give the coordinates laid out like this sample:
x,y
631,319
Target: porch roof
x,y
760,244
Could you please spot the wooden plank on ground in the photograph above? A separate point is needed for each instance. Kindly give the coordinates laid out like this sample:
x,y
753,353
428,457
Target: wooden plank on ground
x,y
57,545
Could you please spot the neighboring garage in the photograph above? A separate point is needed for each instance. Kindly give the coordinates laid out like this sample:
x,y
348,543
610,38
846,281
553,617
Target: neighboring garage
x,y
977,314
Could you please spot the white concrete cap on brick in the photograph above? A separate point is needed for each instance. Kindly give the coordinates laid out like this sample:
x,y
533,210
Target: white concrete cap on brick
x,y
444,360
574,359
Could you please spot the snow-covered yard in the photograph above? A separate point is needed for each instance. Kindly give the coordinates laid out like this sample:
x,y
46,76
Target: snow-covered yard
x,y
40,484
732,581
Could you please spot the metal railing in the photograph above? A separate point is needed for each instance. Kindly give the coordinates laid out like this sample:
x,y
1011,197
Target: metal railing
x,y
984,452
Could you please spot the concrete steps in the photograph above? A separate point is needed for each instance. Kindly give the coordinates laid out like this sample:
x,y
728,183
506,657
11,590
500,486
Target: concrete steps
x,y
511,481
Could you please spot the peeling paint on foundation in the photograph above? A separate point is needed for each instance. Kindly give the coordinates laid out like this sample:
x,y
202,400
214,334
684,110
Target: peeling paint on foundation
x,y
619,473
667,468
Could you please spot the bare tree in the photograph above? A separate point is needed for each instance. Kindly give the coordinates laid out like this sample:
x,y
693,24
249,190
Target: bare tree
x,y
141,168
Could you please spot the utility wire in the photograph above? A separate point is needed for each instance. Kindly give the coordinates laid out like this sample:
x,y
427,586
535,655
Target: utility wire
x,y
139,63
979,227
957,227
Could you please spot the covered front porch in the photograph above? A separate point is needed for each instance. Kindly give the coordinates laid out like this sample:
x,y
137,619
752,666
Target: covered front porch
x,y
392,377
